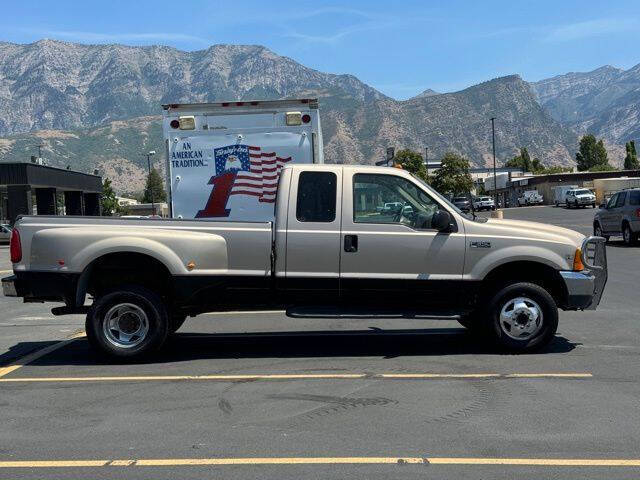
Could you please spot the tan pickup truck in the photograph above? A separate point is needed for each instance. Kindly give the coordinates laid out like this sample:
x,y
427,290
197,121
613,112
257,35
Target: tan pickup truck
x,y
347,238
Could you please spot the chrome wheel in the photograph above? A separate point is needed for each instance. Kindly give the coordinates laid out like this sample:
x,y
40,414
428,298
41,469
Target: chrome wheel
x,y
521,318
626,233
125,325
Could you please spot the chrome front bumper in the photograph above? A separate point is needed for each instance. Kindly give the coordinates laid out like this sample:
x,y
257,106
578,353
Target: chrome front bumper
x,y
585,288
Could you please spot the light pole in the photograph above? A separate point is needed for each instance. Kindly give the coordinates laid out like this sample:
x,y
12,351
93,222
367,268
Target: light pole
x,y
495,176
426,161
148,154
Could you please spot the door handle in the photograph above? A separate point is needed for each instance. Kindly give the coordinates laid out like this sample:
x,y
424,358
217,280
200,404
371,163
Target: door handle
x,y
350,243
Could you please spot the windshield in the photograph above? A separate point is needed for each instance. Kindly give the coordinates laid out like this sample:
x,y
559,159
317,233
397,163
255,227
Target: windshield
x,y
583,192
460,199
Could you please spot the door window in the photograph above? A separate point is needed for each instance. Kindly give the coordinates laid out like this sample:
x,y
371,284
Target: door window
x,y
634,197
622,196
316,197
390,199
612,201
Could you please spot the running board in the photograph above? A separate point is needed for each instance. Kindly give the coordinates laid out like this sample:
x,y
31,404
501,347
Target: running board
x,y
309,312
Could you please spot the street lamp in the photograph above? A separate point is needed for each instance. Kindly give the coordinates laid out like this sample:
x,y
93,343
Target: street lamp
x,y
148,154
495,176
426,160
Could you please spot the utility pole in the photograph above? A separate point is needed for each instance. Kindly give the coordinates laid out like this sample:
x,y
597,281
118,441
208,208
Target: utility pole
x,y
495,175
149,154
426,160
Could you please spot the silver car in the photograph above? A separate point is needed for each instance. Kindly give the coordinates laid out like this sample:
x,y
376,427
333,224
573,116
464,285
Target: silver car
x,y
620,215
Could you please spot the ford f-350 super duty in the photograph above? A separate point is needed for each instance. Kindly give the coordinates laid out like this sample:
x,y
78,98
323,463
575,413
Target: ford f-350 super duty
x,y
331,244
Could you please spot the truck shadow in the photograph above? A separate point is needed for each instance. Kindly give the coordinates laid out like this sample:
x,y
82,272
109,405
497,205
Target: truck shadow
x,y
184,347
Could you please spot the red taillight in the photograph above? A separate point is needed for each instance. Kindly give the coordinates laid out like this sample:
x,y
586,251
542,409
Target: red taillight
x,y
15,248
638,212
306,118
174,123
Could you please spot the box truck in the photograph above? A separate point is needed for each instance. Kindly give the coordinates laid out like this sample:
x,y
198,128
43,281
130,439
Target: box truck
x,y
224,159
560,194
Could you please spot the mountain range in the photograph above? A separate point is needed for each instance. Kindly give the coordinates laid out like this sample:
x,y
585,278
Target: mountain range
x,y
98,106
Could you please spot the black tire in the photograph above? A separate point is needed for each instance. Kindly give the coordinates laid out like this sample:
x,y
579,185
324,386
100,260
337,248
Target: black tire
x,y
597,231
593,205
139,303
541,336
176,321
628,236
575,205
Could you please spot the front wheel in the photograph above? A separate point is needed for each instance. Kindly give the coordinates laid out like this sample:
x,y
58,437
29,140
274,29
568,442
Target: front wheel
x,y
597,231
522,317
127,322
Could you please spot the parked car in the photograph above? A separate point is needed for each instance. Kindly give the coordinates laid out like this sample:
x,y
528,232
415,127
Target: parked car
x,y
619,216
5,233
530,197
462,203
327,246
581,197
484,203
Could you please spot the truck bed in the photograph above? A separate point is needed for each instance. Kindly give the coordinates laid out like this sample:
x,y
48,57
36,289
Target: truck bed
x,y
186,247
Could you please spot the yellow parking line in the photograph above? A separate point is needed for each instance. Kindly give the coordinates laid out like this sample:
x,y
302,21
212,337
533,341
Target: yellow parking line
x,y
21,362
173,462
304,376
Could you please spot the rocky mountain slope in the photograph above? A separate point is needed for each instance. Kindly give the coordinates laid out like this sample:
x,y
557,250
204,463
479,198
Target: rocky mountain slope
x,y
94,105
605,102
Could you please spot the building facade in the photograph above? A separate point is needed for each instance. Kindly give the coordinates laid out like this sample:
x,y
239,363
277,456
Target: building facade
x,y
32,189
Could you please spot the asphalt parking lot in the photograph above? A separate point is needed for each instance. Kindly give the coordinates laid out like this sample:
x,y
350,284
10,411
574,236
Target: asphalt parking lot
x,y
266,396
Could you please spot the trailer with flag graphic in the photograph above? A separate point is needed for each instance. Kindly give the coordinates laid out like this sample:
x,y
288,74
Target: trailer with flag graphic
x,y
224,159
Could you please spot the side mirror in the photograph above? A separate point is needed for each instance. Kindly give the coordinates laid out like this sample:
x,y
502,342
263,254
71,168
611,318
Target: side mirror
x,y
441,221
603,205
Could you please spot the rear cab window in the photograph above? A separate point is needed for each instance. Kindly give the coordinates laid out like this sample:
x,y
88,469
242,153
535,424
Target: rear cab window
x,y
316,200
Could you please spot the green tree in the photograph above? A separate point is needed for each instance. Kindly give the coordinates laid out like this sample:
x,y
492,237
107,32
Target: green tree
x,y
524,162
412,162
154,185
591,153
110,205
556,169
453,176
602,168
631,159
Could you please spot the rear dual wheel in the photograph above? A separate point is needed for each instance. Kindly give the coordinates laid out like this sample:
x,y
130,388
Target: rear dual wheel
x,y
518,318
127,322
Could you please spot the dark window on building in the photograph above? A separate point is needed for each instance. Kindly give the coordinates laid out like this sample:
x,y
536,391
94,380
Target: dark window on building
x,y
634,197
316,197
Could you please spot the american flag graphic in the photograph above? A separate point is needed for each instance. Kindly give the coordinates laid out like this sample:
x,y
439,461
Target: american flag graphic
x,y
261,178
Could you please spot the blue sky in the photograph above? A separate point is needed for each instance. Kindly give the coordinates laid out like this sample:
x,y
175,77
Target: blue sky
x,y
400,48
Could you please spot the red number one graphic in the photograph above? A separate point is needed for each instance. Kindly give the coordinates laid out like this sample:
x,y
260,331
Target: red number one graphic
x,y
217,202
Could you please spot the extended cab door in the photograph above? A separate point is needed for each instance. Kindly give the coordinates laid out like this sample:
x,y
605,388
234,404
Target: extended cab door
x,y
313,233
385,257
